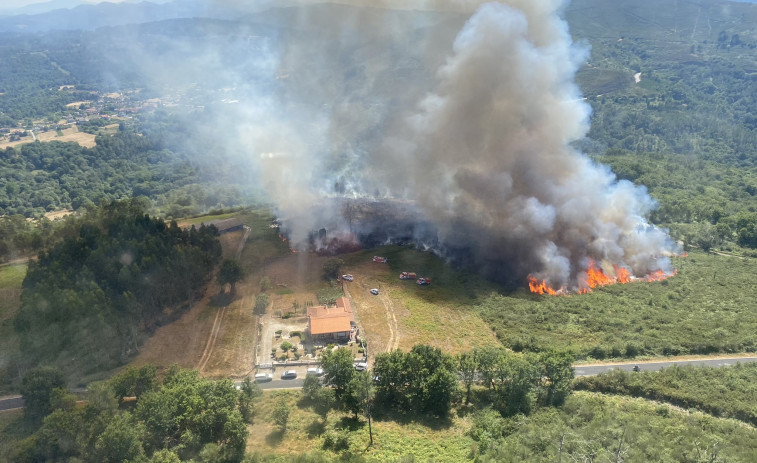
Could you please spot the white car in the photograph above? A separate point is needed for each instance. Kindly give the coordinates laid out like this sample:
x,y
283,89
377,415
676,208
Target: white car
x,y
263,377
347,277
315,372
374,291
361,366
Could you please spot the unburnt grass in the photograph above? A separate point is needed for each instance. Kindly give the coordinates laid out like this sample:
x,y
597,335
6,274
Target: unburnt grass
x,y
340,433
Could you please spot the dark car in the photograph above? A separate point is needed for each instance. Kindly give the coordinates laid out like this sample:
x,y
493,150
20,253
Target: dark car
x,y
636,368
289,374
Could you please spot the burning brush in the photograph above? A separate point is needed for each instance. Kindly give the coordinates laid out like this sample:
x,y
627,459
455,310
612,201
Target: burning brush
x,y
594,277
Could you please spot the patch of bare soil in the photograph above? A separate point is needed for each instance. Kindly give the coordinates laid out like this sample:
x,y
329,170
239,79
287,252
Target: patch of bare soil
x,y
55,215
379,316
298,272
183,341
230,243
232,352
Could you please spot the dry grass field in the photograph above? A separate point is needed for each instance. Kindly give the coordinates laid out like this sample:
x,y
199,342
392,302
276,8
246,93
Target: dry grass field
x,y
71,134
217,335
405,314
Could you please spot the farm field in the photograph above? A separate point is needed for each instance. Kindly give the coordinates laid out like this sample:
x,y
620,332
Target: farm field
x,y
68,135
405,314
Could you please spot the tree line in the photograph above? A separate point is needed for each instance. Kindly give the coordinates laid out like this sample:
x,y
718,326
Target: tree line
x,y
426,381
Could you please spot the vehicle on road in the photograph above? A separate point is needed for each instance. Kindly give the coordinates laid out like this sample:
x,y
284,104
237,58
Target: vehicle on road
x,y
347,277
315,371
263,377
374,291
636,368
361,366
289,374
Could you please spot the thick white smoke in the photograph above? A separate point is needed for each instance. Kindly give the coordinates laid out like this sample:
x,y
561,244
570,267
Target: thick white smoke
x,y
476,131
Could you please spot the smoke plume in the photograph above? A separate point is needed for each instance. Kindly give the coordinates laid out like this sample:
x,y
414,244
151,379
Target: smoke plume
x,y
464,114
487,156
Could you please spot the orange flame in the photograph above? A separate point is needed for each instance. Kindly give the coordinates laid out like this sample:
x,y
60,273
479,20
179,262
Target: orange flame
x,y
660,275
595,277
540,287
622,274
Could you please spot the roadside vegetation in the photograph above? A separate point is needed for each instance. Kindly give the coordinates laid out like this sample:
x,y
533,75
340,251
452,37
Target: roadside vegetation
x,y
724,392
595,427
585,426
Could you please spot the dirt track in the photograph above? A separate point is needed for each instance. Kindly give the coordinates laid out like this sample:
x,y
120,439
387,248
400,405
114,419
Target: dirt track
x,y
216,335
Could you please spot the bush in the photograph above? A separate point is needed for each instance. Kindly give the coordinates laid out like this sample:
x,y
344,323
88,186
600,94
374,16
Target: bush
x,y
261,303
336,440
331,268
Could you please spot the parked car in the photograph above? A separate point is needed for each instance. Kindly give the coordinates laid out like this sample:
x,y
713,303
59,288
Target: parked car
x,y
347,277
263,377
361,366
289,374
374,291
315,371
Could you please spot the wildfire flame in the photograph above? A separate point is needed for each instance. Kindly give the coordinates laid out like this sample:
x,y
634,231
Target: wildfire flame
x,y
540,286
595,278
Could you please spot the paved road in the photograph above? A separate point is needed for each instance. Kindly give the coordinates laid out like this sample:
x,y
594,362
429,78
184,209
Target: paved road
x,y
12,402
591,370
9,403
278,383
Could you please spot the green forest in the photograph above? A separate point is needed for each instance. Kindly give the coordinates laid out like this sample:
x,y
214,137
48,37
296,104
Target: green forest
x,y
114,276
40,177
172,418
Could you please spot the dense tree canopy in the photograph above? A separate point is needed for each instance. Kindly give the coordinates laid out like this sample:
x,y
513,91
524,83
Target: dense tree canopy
x,y
92,297
176,419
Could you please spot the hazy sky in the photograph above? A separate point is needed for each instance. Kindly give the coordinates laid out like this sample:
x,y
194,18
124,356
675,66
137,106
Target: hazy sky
x,y
8,4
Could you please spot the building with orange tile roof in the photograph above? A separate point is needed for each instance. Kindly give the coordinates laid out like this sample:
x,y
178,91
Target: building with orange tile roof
x,y
331,323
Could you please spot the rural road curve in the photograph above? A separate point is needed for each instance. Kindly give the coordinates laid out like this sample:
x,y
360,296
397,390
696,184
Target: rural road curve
x,y
591,370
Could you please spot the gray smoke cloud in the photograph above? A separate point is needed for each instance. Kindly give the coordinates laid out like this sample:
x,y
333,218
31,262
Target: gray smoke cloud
x,y
464,114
